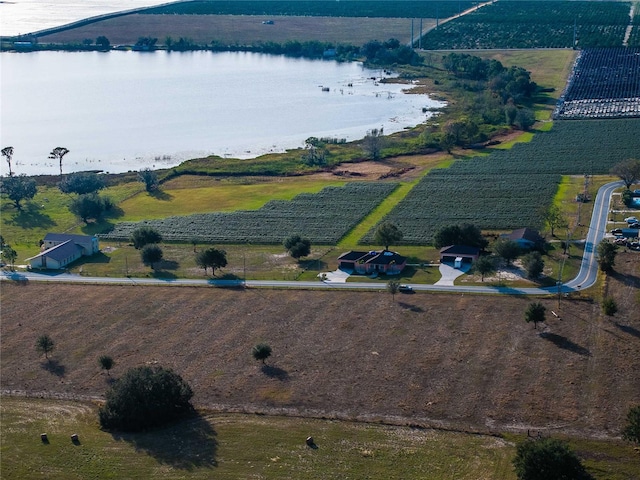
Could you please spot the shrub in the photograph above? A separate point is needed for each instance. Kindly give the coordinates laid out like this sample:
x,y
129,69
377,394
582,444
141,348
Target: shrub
x,y
145,398
609,306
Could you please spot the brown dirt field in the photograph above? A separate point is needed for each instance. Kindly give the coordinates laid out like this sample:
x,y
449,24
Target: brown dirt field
x,y
238,29
455,361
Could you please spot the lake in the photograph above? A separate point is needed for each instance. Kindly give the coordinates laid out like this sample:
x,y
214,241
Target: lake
x,y
120,111
28,16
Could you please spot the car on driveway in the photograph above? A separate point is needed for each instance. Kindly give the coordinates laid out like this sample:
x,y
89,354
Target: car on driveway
x,y
631,220
405,289
635,225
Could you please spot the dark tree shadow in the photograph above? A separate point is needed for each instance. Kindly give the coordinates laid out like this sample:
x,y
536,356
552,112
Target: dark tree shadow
x,y
627,329
626,278
95,258
275,372
168,265
16,277
412,308
30,217
313,265
163,275
565,343
53,366
161,195
186,445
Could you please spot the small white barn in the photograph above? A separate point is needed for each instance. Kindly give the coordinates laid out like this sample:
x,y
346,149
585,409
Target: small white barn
x,y
61,249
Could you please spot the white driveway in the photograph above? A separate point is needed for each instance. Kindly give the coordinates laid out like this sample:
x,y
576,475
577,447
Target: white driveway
x,y
337,276
449,274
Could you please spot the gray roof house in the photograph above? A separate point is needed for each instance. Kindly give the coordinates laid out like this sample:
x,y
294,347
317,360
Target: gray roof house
x,y
526,238
61,249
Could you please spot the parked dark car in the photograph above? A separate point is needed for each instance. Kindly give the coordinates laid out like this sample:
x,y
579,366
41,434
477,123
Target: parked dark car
x,y
616,231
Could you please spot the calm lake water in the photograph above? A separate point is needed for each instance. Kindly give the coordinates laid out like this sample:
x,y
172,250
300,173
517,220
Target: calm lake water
x,y
28,16
121,111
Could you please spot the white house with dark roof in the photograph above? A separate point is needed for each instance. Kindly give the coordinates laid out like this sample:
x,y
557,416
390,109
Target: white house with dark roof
x,y
61,249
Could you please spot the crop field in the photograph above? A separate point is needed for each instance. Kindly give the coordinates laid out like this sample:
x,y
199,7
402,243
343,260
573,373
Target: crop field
x,y
318,8
506,189
323,218
534,24
605,83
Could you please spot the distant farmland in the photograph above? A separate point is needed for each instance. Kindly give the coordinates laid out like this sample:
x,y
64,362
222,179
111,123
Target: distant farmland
x,y
605,83
535,24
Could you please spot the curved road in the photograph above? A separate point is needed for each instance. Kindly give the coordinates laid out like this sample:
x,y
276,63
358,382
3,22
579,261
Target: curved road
x,y
586,276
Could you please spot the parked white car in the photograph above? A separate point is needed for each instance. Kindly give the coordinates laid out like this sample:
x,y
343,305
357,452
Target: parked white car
x,y
631,220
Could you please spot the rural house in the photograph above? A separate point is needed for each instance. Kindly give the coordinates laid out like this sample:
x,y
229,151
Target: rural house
x,y
526,238
384,261
459,254
61,249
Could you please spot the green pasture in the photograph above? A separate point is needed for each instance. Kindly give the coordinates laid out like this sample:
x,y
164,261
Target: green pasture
x,y
232,446
236,446
183,196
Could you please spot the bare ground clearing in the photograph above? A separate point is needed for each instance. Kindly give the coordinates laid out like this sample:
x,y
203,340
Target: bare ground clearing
x,y
455,361
238,29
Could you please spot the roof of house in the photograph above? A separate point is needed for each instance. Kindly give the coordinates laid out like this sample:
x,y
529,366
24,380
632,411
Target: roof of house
x,y
63,237
525,234
459,250
384,257
59,252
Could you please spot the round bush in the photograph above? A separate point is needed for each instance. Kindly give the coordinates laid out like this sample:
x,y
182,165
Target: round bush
x,y
145,398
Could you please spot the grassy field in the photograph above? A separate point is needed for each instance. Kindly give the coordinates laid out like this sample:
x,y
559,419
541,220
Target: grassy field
x,y
237,446
460,362
240,29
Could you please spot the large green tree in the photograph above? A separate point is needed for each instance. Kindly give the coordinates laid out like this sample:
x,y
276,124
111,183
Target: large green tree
x,y
211,258
144,398
89,206
628,171
533,264
149,178
18,188
485,265
465,234
387,234
507,249
9,254
297,246
606,255
554,218
144,235
151,254
82,183
372,144
547,459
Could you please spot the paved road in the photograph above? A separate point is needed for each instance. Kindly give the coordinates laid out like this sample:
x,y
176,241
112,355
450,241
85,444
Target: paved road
x,y
585,278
